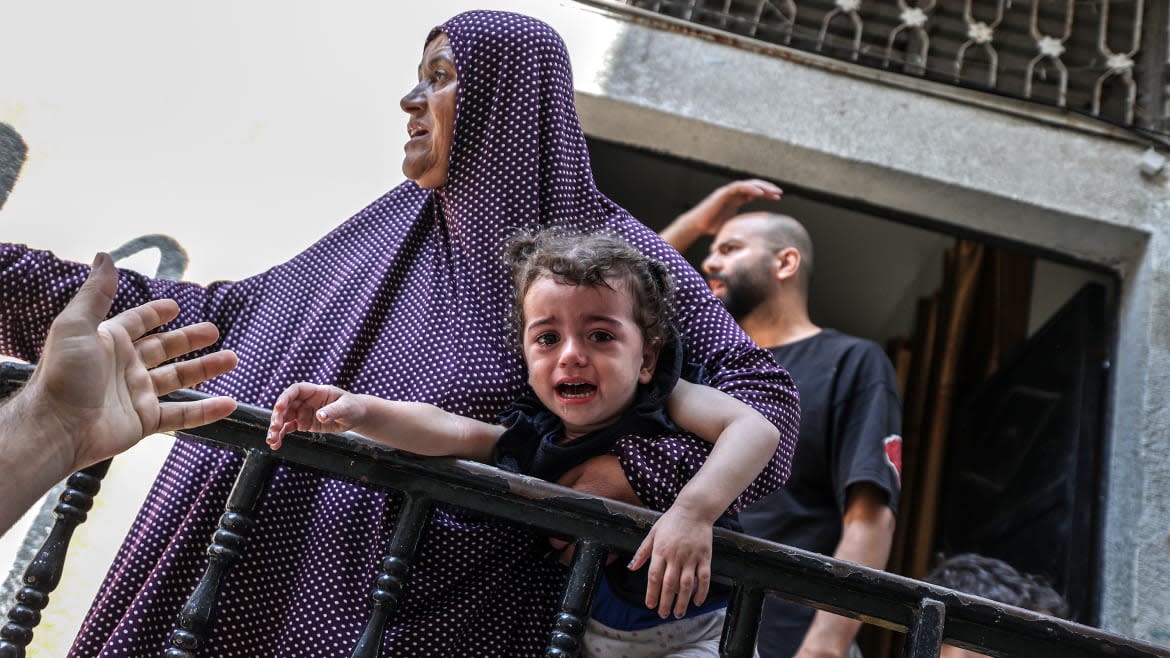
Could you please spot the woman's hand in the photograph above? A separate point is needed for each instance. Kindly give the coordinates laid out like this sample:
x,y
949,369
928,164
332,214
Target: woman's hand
x,y
601,476
313,408
678,547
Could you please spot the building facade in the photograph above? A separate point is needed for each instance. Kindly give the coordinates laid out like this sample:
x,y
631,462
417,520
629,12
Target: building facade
x,y
973,163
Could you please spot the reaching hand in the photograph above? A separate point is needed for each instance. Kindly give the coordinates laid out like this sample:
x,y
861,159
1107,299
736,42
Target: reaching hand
x,y
313,408
679,549
100,381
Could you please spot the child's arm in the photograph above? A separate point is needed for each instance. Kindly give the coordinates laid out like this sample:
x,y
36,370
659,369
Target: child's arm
x,y
416,427
679,544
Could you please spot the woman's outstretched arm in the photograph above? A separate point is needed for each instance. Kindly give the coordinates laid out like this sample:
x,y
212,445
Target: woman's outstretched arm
x,y
35,286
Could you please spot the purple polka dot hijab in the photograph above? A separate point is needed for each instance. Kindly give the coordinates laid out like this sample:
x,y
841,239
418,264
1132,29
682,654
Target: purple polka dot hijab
x,y
406,300
519,157
518,140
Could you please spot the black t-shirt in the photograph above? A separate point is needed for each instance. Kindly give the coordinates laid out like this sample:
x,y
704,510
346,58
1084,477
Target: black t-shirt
x,y
850,432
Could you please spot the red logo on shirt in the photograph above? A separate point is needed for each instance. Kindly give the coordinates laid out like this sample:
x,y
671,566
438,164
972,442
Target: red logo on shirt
x,y
893,446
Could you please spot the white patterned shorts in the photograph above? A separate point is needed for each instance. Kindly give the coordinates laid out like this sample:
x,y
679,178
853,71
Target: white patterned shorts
x,y
694,637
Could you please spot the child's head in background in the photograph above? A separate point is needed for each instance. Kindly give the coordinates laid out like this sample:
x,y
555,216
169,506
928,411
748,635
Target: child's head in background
x,y
994,579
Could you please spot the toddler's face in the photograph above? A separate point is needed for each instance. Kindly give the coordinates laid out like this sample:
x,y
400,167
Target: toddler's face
x,y
585,352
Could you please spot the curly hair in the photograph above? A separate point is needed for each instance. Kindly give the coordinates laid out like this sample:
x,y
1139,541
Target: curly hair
x,y
592,259
997,580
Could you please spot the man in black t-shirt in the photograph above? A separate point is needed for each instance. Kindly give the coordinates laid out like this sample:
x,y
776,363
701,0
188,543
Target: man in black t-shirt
x,y
843,492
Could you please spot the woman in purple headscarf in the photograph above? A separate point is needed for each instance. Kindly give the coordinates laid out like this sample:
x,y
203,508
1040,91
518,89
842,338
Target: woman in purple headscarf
x,y
407,300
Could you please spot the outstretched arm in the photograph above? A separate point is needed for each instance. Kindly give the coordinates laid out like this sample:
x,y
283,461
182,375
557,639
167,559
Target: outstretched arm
x,y
679,544
95,392
35,286
866,536
708,216
417,427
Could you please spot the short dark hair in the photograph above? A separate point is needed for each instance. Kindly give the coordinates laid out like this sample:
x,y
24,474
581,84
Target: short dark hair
x,y
592,259
997,580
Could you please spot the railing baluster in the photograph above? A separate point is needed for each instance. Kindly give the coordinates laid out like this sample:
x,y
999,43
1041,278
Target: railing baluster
x,y
925,637
43,575
227,544
742,623
569,626
391,580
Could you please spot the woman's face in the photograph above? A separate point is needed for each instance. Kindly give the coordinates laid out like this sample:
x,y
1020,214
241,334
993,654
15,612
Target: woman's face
x,y
431,106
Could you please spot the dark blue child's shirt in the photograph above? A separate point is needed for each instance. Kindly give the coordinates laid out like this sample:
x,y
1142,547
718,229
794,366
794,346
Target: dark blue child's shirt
x,y
530,446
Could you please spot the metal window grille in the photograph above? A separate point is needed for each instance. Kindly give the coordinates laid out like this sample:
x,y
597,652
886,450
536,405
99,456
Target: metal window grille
x,y
1103,58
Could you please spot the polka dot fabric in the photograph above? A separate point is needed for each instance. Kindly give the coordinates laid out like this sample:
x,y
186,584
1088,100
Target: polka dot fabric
x,y
406,300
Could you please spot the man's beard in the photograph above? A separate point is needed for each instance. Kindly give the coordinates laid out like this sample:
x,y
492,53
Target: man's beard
x,y
741,295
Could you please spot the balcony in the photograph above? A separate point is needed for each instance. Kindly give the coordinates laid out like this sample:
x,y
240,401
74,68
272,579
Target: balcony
x,y
929,615
1103,59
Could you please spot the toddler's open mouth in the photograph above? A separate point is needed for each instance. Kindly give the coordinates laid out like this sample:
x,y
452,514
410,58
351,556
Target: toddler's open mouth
x,y
575,390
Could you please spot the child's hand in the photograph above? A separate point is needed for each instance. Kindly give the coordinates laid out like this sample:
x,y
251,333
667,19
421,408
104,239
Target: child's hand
x,y
313,408
679,550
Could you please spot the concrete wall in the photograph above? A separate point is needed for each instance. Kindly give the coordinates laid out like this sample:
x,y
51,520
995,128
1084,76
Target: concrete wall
x,y
872,270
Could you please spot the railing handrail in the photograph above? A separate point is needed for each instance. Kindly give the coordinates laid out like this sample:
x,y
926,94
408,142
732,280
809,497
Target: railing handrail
x,y
873,596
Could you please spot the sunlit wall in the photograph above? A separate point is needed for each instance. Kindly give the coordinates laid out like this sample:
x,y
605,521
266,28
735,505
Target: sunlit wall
x,y
244,130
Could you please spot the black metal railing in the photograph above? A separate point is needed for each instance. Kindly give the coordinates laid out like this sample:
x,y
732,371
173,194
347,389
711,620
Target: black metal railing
x,y
1102,58
929,615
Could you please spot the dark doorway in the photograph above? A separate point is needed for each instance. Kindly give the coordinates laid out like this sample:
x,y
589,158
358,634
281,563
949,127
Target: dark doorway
x,y
875,269
1024,457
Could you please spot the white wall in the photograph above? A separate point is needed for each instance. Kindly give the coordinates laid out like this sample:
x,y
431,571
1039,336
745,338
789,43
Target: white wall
x,y
244,130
